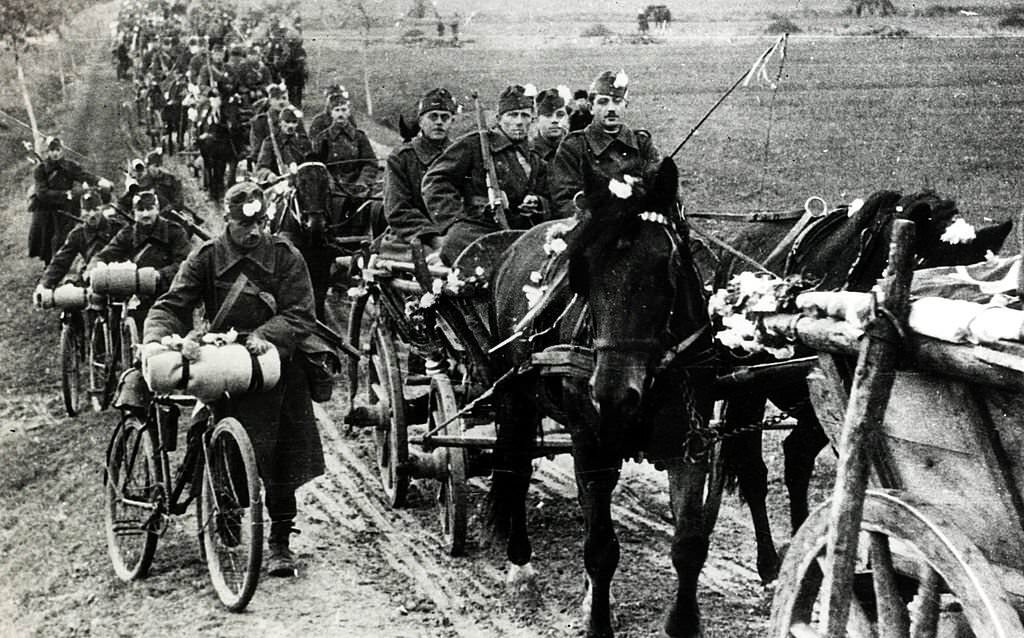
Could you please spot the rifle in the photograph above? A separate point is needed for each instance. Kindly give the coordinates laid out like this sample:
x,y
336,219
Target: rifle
x,y
324,331
171,214
493,187
273,143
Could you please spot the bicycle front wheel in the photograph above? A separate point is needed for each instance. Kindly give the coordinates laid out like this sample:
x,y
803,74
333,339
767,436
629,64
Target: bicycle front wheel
x,y
134,499
71,367
231,514
102,364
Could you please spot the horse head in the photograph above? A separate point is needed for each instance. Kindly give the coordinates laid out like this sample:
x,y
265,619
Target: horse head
x,y
630,261
312,183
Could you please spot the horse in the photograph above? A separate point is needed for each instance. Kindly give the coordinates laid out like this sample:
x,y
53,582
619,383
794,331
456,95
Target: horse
x,y
845,249
173,113
220,145
648,393
306,210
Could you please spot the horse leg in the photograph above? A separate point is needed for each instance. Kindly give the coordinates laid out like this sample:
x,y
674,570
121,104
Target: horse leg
x,y
742,453
801,447
217,180
689,546
596,477
517,421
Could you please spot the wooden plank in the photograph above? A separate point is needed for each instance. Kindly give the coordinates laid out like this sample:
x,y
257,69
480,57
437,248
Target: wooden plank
x,y
869,397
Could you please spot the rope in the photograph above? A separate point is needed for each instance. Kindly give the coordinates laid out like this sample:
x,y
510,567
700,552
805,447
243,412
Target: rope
x,y
724,246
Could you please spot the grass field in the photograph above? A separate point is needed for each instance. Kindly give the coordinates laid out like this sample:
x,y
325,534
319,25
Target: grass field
x,y
851,115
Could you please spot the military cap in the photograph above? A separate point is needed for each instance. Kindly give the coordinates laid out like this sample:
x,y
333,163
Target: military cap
x,y
91,200
245,202
146,200
439,99
238,51
194,41
335,88
516,97
337,99
290,115
137,164
579,94
609,83
550,100
53,143
155,157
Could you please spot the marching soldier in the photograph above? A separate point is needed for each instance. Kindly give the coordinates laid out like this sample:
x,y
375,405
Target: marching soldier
x,y
53,202
276,102
346,146
84,241
151,242
403,200
208,68
323,120
607,148
167,186
455,186
254,73
580,107
275,308
552,122
285,147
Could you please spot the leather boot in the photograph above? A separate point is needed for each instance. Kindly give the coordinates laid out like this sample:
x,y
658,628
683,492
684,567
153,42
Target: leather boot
x,y
280,560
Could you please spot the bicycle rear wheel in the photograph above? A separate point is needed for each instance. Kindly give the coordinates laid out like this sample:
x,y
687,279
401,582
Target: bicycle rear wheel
x,y
71,367
230,514
134,500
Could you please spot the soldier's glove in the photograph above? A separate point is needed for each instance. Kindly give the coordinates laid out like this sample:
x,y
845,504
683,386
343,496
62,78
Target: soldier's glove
x,y
257,345
531,205
37,296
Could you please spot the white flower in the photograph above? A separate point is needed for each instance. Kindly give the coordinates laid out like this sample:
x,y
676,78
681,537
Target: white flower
x,y
534,294
621,80
437,286
630,179
565,93
454,283
479,271
622,190
555,246
355,292
855,207
529,90
959,232
427,300
535,276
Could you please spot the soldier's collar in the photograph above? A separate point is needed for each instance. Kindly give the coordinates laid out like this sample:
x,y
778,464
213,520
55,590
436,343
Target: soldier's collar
x,y
426,150
160,231
500,141
600,140
226,255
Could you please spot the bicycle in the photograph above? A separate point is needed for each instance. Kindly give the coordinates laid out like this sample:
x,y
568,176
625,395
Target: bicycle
x,y
219,471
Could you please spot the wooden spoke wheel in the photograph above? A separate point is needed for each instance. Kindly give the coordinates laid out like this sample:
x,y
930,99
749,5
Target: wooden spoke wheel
x,y
355,328
388,399
451,490
919,576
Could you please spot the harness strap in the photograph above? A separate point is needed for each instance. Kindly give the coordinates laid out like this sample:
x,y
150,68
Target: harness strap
x,y
256,382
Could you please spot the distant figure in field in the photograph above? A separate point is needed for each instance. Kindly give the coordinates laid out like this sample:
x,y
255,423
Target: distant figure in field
x,y
440,27
880,7
454,27
660,15
641,22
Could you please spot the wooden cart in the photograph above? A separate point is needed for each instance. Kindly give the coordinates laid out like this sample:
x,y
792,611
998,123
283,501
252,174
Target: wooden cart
x,y
924,534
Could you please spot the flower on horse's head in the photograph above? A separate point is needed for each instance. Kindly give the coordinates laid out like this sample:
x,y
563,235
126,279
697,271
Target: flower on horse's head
x,y
623,189
959,231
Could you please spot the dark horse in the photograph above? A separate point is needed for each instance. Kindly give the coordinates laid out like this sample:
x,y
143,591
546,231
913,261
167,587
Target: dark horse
x,y
840,250
639,308
307,212
220,142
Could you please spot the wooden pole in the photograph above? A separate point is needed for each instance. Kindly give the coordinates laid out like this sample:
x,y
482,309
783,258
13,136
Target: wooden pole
x,y
37,138
366,76
60,70
869,398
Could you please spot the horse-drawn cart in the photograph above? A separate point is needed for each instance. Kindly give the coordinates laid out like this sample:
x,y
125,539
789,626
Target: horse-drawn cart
x,y
933,546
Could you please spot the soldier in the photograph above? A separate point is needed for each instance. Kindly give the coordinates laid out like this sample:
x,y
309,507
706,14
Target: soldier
x,y
84,240
184,61
403,200
345,146
607,148
158,62
274,309
254,74
166,185
322,120
580,114
151,242
455,185
277,100
552,122
54,202
208,69
288,141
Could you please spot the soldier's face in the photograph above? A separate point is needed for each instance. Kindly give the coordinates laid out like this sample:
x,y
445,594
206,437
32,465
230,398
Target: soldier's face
x,y
609,111
435,124
246,233
54,154
278,103
287,128
340,113
92,216
146,217
515,123
555,125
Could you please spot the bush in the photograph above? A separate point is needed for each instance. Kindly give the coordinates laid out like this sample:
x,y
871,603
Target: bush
x,y
1014,19
780,25
596,31
412,36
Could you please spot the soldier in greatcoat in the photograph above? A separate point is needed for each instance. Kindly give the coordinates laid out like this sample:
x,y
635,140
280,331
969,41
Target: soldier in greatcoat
x,y
267,115
274,308
607,148
287,146
349,155
552,122
54,201
322,120
404,208
455,185
84,241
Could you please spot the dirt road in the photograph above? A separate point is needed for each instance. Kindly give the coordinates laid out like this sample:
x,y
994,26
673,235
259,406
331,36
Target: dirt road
x,y
365,570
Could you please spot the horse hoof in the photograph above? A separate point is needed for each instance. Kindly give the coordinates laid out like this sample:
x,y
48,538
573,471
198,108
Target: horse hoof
x,y
521,579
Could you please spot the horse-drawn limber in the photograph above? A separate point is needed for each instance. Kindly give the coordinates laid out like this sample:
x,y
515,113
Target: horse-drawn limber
x,y
932,547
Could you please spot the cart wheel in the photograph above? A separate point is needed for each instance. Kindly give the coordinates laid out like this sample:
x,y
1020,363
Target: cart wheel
x,y
355,328
71,378
451,491
923,575
385,379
